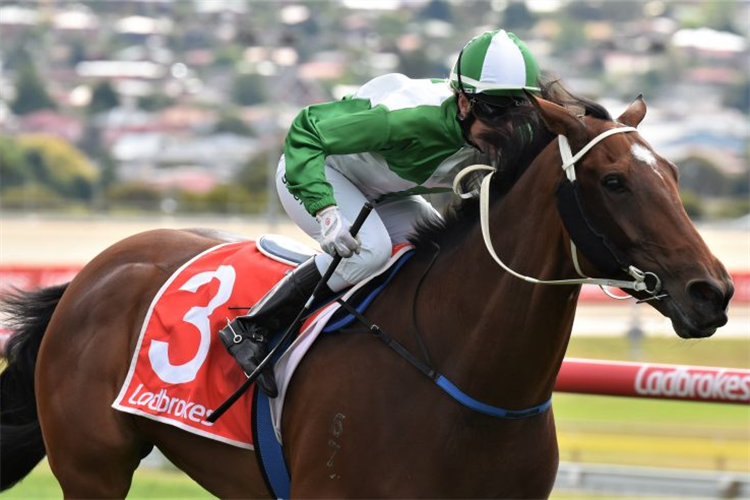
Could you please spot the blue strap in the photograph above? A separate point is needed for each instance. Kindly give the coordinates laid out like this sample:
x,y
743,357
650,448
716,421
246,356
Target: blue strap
x,y
493,411
442,382
332,327
269,449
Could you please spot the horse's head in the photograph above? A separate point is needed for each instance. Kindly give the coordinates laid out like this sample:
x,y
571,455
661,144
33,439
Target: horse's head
x,y
630,194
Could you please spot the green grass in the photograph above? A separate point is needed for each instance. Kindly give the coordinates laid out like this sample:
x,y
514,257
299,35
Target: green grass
x,y
651,412
730,353
42,485
147,483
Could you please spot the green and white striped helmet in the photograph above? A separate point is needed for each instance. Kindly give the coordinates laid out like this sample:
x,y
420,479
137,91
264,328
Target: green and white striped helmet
x,y
495,63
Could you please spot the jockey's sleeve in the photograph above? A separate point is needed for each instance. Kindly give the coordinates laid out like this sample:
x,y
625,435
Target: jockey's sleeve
x,y
339,127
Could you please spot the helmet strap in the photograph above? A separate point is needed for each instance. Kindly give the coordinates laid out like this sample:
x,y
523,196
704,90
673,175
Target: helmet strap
x,y
465,121
458,73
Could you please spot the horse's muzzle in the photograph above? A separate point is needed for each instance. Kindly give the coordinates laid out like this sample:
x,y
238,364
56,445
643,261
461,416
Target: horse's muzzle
x,y
704,309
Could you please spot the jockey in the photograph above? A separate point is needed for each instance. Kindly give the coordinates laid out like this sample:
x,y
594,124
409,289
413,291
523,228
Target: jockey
x,y
394,135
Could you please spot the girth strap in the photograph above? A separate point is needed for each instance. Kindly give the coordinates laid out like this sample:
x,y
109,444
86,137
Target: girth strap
x,y
440,380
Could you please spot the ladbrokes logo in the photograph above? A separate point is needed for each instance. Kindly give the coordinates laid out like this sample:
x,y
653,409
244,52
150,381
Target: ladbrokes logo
x,y
682,382
161,402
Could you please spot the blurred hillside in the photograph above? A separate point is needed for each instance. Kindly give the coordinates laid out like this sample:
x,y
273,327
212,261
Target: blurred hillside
x,y
181,106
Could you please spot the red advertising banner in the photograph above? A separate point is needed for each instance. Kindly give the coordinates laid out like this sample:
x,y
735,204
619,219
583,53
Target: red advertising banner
x,y
26,277
660,381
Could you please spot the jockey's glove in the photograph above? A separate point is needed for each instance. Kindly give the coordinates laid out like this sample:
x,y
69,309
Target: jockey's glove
x,y
335,237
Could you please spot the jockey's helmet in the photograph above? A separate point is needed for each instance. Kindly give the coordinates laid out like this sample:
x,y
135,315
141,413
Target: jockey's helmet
x,y
495,63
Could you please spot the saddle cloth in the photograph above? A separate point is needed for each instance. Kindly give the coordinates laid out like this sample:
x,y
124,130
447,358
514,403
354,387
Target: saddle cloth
x,y
180,372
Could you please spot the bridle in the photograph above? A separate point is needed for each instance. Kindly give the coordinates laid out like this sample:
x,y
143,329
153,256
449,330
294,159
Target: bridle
x,y
579,227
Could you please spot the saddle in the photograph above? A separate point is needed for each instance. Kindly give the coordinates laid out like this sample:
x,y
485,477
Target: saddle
x,y
293,253
284,249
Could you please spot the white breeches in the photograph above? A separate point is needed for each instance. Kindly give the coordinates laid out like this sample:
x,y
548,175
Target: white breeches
x,y
391,222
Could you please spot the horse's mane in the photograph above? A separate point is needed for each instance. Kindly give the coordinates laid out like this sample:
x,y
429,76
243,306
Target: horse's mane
x,y
518,151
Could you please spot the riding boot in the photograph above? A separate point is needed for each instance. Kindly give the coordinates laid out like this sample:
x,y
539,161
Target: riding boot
x,y
247,337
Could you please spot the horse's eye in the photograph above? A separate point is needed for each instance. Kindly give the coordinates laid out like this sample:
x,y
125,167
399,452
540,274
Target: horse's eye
x,y
614,182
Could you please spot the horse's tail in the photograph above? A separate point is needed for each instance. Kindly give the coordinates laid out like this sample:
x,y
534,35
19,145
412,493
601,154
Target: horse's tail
x,y
26,315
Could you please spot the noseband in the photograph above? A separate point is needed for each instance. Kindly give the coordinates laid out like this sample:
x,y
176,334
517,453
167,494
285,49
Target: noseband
x,y
595,245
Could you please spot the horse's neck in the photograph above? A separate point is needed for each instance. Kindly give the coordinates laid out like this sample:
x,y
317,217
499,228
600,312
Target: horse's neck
x,y
513,334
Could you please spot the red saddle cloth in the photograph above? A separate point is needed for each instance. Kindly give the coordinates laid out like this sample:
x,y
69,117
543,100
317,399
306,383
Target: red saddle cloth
x,y
180,371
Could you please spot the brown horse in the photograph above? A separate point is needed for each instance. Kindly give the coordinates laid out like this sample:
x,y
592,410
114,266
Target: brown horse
x,y
359,421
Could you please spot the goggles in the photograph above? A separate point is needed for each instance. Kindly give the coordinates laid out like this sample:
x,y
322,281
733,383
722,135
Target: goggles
x,y
487,107
496,109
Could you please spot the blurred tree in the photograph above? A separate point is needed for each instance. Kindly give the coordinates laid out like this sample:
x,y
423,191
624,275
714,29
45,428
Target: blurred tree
x,y
416,64
701,177
738,95
14,165
253,175
651,81
692,203
103,98
32,196
720,15
133,194
621,11
248,89
571,36
107,169
196,38
311,27
231,123
246,36
583,11
227,55
437,9
95,148
733,208
390,25
17,50
60,165
739,186
31,95
77,53
155,101
222,199
518,16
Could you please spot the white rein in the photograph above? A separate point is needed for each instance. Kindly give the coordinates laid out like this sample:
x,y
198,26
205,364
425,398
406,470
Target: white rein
x,y
569,161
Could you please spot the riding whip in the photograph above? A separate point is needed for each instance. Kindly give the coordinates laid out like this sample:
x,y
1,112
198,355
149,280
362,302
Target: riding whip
x,y
366,209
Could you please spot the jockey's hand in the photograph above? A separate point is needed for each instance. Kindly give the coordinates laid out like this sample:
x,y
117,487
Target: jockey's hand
x,y
335,237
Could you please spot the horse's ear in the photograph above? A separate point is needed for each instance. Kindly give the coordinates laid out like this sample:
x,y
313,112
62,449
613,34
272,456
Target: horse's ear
x,y
558,119
635,112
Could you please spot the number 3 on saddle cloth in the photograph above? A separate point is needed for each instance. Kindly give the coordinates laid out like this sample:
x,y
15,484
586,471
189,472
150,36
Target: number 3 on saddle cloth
x,y
180,371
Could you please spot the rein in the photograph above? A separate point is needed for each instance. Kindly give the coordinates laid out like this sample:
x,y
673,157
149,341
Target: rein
x,y
640,278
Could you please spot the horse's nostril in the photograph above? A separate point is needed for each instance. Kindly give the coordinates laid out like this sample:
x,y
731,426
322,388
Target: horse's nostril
x,y
728,295
707,293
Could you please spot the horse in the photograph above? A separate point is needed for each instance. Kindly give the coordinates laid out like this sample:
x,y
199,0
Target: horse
x,y
360,421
